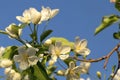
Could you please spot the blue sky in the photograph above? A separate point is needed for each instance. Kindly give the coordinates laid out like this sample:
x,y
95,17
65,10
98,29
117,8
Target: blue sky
x,y
76,18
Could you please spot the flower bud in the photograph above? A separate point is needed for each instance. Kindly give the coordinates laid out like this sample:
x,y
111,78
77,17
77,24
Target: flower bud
x,y
48,42
4,63
13,30
98,73
60,73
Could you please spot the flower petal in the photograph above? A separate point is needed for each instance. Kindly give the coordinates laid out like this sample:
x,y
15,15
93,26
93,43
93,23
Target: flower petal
x,y
65,49
31,51
63,57
33,60
22,50
83,43
84,52
17,58
23,65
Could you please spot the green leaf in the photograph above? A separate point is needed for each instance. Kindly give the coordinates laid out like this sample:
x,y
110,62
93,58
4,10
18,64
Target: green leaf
x,y
117,5
113,68
39,72
106,22
45,34
10,51
64,41
116,35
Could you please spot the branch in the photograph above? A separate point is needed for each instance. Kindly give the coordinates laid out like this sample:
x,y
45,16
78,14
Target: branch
x,y
101,58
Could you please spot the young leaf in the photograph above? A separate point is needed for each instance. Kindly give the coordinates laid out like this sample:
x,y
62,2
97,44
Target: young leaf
x,y
39,72
117,5
116,35
106,22
45,34
10,51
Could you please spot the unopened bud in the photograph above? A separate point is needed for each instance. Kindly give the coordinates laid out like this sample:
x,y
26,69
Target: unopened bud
x,y
98,73
48,42
60,73
4,63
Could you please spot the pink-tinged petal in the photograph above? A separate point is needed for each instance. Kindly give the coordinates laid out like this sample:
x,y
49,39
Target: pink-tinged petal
x,y
17,58
65,49
64,56
33,60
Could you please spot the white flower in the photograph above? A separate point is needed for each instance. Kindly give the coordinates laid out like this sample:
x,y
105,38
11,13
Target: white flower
x,y
84,67
47,13
60,51
2,50
72,73
13,30
12,74
26,57
35,16
4,63
30,15
80,47
117,75
26,18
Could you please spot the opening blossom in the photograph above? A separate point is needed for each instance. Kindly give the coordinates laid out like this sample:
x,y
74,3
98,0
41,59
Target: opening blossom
x,y
80,47
73,72
60,51
36,17
26,57
47,13
26,18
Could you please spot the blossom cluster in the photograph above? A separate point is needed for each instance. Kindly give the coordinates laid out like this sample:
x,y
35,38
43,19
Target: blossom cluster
x,y
39,57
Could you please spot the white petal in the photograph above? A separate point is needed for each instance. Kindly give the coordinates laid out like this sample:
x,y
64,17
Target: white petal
x,y
17,58
52,49
58,45
31,51
23,65
54,12
84,52
54,57
83,43
22,50
33,60
65,49
63,57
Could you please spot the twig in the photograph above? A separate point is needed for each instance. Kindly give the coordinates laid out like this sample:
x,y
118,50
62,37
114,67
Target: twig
x,y
101,58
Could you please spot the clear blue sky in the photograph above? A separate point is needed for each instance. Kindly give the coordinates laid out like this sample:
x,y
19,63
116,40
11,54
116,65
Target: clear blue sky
x,y
76,18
